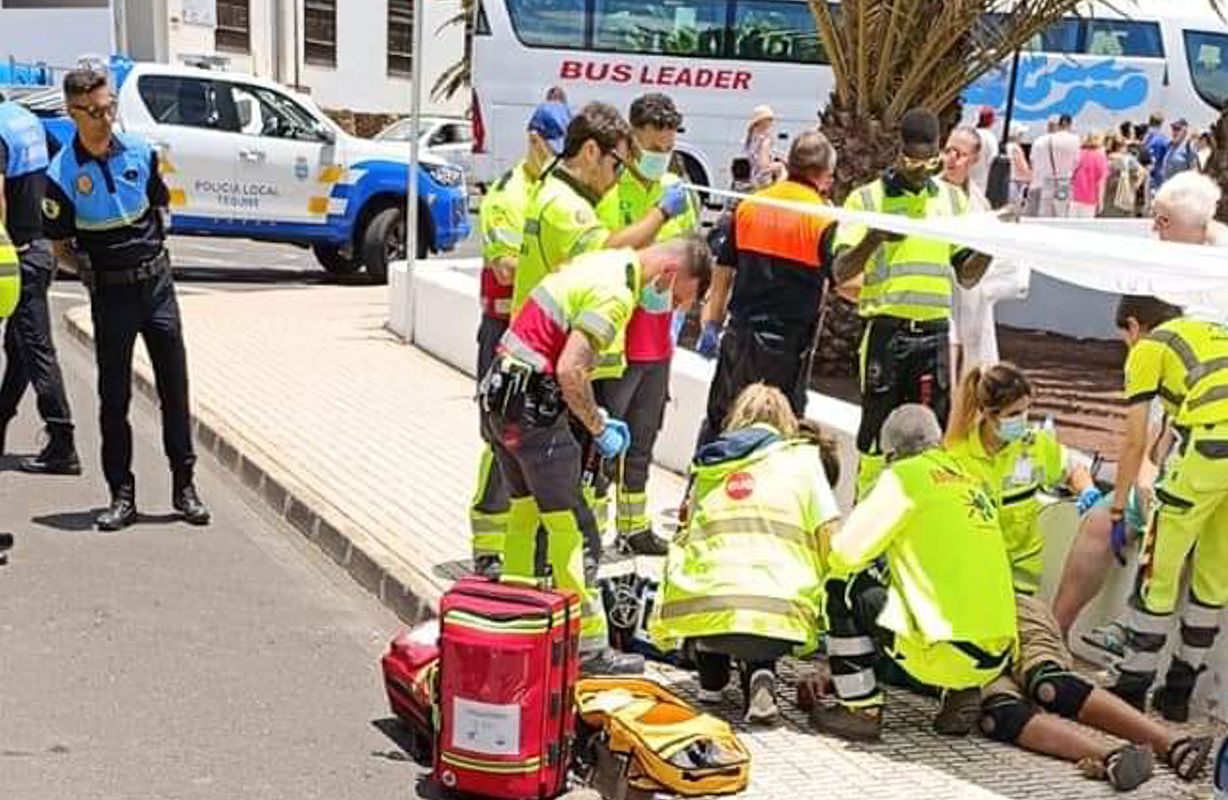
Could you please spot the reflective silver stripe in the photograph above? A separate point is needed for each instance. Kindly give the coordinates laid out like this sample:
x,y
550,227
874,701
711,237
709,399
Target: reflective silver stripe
x,y
1140,621
9,270
923,299
504,236
600,327
532,226
1212,395
609,359
482,523
516,348
1205,370
1140,661
879,273
114,222
549,306
733,602
912,269
850,646
1196,615
859,684
756,525
632,508
1194,656
1180,347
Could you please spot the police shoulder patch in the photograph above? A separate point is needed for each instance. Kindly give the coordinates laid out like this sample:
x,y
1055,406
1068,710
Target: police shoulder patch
x,y
51,209
85,184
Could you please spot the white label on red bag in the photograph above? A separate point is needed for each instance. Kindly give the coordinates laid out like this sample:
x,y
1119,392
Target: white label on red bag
x,y
485,728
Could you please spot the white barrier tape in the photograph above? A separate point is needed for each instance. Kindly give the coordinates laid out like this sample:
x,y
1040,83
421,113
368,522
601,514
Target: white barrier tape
x,y
1120,264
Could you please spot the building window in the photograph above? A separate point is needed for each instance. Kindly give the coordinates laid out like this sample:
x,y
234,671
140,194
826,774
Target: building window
x,y
320,32
234,30
400,37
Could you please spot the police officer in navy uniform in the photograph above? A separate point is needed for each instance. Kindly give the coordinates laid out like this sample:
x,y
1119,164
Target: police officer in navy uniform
x,y
104,192
29,353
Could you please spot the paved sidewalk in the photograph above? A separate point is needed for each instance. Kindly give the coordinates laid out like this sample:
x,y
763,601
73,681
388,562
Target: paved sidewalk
x,y
369,448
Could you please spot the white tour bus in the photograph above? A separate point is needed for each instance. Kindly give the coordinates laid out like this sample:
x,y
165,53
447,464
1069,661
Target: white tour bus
x,y
720,58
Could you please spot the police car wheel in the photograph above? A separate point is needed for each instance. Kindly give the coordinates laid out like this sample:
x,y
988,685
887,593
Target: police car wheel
x,y
334,261
383,242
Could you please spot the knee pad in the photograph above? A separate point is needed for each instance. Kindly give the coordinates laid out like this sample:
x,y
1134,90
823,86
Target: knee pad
x,y
1057,690
1004,716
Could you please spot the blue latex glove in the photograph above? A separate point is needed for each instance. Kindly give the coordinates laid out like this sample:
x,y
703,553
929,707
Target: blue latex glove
x,y
676,324
674,202
614,438
709,339
1119,537
1088,499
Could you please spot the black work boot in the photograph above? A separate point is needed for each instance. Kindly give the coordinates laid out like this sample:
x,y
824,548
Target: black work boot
x,y
643,543
608,661
187,502
122,511
1172,699
59,457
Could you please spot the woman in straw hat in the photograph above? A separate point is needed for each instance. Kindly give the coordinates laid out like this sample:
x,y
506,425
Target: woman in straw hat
x,y
764,168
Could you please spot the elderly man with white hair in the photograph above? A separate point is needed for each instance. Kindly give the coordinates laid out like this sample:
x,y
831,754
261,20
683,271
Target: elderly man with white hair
x,y
1184,212
948,620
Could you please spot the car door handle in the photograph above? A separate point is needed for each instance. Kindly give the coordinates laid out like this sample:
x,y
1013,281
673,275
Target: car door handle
x,y
251,155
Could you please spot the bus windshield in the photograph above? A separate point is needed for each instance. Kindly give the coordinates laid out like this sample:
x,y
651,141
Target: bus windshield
x,y
1207,54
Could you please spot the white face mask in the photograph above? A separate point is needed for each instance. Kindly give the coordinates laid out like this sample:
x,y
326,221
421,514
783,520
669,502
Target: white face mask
x,y
653,165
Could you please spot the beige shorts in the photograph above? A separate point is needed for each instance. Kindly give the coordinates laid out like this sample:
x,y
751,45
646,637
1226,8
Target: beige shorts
x,y
1040,640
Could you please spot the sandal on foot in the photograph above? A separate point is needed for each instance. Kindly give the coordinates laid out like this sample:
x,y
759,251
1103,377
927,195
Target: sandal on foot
x,y
1129,767
1188,756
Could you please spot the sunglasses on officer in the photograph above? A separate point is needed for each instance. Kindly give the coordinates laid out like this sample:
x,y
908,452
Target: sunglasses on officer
x,y
99,112
619,163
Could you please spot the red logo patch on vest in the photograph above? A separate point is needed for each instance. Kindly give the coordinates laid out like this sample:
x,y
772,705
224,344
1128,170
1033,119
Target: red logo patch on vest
x,y
740,485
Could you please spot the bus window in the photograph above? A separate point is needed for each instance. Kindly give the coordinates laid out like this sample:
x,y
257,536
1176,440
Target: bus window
x,y
676,27
772,30
548,23
1060,37
1207,54
1124,37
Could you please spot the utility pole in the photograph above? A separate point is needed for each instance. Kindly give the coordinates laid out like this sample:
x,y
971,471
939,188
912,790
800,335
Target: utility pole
x,y
415,133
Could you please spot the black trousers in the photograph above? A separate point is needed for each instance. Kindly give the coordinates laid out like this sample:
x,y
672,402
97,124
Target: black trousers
x,y
149,309
902,364
714,655
779,358
29,352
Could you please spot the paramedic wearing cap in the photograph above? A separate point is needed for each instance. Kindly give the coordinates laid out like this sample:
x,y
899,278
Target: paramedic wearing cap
x,y
29,351
780,260
908,284
104,192
501,220
561,222
539,379
634,385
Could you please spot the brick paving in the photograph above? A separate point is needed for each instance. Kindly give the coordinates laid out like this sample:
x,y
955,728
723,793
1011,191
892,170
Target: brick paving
x,y
306,394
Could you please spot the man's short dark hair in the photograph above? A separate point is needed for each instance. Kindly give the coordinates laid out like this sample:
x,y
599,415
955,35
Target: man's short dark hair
x,y
919,126
600,122
1148,312
810,153
1065,121
81,82
697,259
655,110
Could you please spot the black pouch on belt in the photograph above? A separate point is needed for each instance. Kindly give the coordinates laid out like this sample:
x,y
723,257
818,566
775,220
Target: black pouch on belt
x,y
543,401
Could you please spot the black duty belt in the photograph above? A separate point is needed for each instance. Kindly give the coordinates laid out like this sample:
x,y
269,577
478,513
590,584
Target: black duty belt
x,y
150,268
517,393
911,325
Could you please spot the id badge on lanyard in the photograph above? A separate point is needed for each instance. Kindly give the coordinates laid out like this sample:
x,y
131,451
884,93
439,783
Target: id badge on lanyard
x,y
1022,475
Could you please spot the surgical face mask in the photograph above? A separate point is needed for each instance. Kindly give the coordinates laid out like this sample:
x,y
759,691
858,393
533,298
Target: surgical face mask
x,y
656,301
653,165
1012,429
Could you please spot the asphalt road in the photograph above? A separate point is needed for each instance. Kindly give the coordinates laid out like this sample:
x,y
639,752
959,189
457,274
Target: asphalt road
x,y
166,661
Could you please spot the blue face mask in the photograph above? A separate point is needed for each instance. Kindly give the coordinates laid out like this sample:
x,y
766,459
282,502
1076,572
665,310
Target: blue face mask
x,y
1012,429
656,301
652,165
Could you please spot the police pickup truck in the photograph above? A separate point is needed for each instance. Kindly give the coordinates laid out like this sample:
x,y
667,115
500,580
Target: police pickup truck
x,y
244,157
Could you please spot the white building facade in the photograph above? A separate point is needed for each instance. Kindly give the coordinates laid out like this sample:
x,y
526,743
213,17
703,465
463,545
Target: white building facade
x,y
348,54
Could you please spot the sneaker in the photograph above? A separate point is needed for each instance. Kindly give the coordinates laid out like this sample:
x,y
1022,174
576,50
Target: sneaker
x,y
608,661
959,713
711,697
859,725
643,543
1109,638
761,708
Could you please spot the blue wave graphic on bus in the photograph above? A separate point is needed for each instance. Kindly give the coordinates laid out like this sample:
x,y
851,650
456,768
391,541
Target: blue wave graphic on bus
x,y
1044,91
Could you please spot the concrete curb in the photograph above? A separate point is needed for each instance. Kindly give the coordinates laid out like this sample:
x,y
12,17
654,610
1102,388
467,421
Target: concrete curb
x,y
401,587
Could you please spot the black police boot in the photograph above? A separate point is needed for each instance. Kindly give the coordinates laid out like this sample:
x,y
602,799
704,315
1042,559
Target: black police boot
x,y
59,457
4,429
1172,699
608,661
122,511
643,543
187,502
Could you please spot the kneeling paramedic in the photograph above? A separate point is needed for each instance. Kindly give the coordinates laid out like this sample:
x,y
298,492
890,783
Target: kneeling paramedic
x,y
104,191
744,578
1184,362
907,289
541,373
949,616
633,385
1031,703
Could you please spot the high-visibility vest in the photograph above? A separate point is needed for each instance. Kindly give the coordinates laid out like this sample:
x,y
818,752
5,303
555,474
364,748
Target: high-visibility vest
x,y
1185,363
912,278
501,219
749,560
1016,474
10,274
950,577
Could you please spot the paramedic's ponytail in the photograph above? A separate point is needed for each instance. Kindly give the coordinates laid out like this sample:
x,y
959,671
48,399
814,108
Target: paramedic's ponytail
x,y
985,391
964,411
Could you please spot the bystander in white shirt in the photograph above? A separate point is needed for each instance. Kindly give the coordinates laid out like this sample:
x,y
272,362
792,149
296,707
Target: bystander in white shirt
x,y
1054,158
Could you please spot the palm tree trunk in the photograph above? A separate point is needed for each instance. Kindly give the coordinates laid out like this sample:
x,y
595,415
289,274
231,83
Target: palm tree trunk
x,y
1218,165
